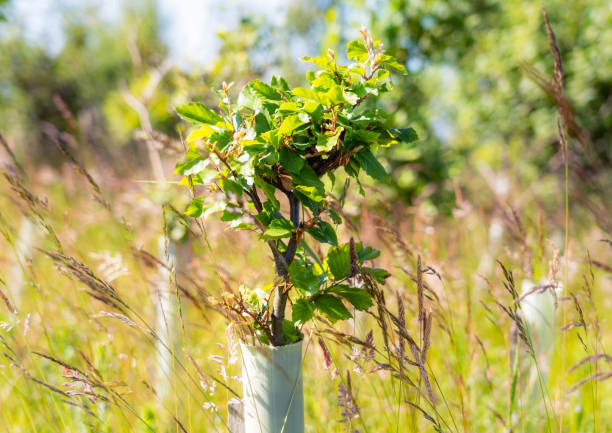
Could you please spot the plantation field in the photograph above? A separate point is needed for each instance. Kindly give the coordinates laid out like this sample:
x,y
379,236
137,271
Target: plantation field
x,y
73,363
480,179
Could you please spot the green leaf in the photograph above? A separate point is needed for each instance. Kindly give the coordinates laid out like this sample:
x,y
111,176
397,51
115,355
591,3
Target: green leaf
x,y
198,209
231,214
201,132
265,90
302,312
379,275
324,232
268,191
199,113
279,83
324,80
334,216
314,110
290,123
311,193
308,177
363,135
334,96
290,106
306,94
302,276
279,228
357,50
255,93
360,298
221,139
191,167
229,186
367,253
339,261
332,307
371,165
290,160
195,208
324,62
325,142
390,61
407,135
291,333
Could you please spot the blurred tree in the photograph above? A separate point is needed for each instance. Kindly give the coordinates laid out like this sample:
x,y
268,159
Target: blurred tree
x,y
74,89
3,4
468,93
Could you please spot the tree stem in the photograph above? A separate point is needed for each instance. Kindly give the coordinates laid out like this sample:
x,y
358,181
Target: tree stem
x,y
282,270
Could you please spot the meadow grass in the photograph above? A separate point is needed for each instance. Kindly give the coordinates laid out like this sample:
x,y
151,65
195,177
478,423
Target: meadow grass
x,y
451,348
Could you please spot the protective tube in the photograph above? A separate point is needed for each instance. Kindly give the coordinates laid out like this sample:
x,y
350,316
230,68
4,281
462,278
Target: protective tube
x,y
272,389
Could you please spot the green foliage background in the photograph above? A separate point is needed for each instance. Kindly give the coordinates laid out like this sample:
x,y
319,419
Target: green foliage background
x,y
488,161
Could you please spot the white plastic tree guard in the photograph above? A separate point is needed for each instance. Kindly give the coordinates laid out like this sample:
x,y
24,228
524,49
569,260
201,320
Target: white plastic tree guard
x,y
165,326
273,396
26,238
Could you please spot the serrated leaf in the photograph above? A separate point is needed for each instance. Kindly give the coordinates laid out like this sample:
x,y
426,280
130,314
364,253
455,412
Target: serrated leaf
x,y
314,110
290,123
202,132
198,209
390,61
265,90
291,333
407,135
325,142
199,113
279,83
334,96
339,261
290,106
372,166
192,167
221,139
268,191
230,186
302,276
324,80
366,253
332,307
321,61
195,208
379,275
306,94
255,93
324,232
359,298
230,214
334,216
357,50
302,312
279,228
290,160
310,192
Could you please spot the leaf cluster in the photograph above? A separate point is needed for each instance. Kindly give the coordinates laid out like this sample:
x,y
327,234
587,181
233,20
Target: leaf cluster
x,y
277,141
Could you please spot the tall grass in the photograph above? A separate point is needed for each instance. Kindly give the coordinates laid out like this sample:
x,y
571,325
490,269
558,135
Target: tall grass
x,y
451,345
